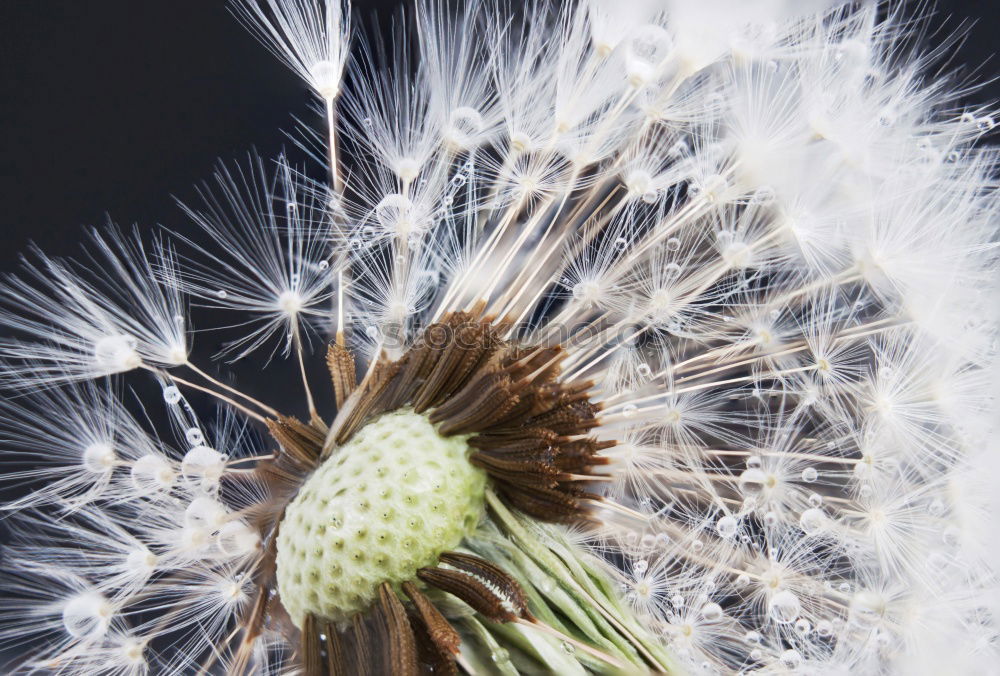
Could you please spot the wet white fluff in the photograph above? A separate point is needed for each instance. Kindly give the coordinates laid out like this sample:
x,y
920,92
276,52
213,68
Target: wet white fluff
x,y
767,231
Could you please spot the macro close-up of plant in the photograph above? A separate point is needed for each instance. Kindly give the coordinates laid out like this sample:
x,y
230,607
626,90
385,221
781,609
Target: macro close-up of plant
x,y
628,337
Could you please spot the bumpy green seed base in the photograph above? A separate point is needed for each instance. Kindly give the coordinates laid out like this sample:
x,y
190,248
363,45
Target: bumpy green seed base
x,y
385,504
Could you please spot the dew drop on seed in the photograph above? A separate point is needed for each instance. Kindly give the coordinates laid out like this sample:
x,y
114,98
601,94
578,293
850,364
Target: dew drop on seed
x,y
985,123
712,612
628,410
672,270
791,659
809,474
752,637
673,244
753,462
812,521
802,627
86,615
764,195
784,607
815,499
194,436
650,196
697,546
323,265
171,394
677,601
751,482
640,566
221,294
726,526
621,243
644,370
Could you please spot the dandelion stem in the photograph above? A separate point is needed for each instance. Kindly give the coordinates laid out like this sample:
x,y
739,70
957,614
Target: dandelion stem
x,y
297,337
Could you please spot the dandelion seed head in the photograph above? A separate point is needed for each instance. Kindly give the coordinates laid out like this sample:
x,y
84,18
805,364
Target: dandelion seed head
x,y
671,325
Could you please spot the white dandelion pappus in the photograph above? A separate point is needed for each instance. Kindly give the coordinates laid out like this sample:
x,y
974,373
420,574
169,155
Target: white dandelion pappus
x,y
663,339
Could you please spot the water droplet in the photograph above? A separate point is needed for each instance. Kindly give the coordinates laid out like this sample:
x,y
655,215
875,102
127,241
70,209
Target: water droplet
x,y
640,566
802,627
812,521
751,481
650,196
499,656
621,243
323,265
672,271
985,123
644,370
791,659
194,436
726,526
697,546
628,410
742,580
673,244
677,601
87,616
936,508
809,474
171,394
752,637
712,612
784,607
951,536
221,294
824,628
763,195
372,332
866,609
815,499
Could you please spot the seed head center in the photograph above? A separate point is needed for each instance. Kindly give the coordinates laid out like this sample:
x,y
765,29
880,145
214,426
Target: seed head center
x,y
385,504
